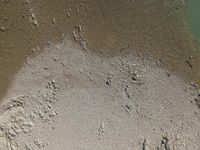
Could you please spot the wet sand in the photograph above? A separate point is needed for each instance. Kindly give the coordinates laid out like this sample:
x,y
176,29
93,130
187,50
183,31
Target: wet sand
x,y
156,28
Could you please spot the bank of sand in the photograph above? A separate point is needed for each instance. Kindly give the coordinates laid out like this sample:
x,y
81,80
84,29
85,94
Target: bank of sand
x,y
67,98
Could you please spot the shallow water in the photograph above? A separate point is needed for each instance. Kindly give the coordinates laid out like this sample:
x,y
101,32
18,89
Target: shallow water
x,y
117,27
193,17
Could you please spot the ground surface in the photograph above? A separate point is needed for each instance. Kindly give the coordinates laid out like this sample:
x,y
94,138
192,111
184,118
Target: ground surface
x,y
67,98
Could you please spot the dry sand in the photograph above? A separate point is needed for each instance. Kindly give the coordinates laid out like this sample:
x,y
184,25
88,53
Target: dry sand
x,y
67,98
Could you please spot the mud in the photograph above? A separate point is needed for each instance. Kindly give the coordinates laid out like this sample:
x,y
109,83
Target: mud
x,y
108,28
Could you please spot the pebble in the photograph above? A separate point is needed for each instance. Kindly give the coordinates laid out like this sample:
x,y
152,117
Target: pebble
x,y
101,129
54,20
144,145
75,36
69,13
2,29
77,11
34,19
108,81
55,59
27,2
84,45
35,23
38,142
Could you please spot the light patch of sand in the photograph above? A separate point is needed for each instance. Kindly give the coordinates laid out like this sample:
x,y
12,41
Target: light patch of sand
x,y
66,98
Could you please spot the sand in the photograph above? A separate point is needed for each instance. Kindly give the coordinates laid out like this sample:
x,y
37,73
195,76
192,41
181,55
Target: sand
x,y
68,98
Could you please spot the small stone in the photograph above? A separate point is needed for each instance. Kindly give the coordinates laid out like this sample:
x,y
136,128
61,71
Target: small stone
x,y
54,20
77,11
34,19
144,145
108,81
28,147
53,114
27,2
84,45
75,36
2,29
101,129
69,13
35,23
41,115
50,106
38,142
165,143
33,16
55,59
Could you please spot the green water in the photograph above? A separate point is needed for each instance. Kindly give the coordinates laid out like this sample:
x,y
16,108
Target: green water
x,y
193,17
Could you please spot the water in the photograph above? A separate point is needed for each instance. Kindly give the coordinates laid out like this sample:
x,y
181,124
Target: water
x,y
193,17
